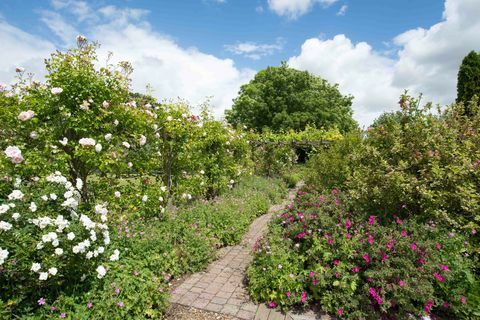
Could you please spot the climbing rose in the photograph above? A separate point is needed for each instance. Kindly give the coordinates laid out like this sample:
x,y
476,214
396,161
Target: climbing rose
x,y
87,142
14,153
26,115
56,90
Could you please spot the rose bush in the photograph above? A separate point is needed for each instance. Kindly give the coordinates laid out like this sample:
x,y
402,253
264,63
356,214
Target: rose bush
x,y
379,267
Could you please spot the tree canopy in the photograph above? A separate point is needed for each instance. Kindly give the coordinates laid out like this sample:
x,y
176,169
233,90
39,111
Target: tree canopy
x,y
468,83
282,98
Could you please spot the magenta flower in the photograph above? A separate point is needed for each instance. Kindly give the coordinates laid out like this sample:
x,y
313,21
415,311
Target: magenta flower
x,y
340,311
428,306
399,221
463,299
439,277
89,305
375,295
366,257
370,239
63,315
41,301
390,244
349,236
413,246
438,246
272,304
401,283
303,297
355,269
444,267
348,224
371,220
336,262
446,305
289,294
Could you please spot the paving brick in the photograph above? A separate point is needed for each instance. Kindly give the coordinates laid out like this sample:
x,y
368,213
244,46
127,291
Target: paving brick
x,y
230,309
219,300
200,303
245,315
223,294
214,307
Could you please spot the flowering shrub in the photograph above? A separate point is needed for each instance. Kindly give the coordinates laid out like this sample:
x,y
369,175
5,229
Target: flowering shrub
x,y
378,267
48,240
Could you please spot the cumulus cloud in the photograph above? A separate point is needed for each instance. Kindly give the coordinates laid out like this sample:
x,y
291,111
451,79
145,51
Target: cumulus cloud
x,y
292,9
427,62
254,50
171,70
21,49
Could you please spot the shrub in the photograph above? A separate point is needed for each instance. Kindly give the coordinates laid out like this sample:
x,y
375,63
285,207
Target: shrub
x,y
383,267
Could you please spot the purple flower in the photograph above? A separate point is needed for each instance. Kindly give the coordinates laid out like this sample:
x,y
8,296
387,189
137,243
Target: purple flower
x,y
120,304
89,305
63,315
41,301
117,290
53,308
272,304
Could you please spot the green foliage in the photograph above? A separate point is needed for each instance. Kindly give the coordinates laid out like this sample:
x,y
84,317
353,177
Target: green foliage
x,y
282,98
356,268
468,82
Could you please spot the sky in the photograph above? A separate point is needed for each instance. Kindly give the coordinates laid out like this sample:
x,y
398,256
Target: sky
x,y
199,49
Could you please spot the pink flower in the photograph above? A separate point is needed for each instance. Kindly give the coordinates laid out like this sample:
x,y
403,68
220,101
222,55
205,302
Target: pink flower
x,y
438,246
370,239
413,246
14,153
289,294
53,308
120,304
444,267
301,235
355,269
63,315
401,283
314,282
117,290
336,262
404,233
89,305
340,312
303,297
26,115
272,304
439,277
348,224
375,295
446,305
371,220
384,258
399,221
349,236
335,191
428,306
421,261
463,299
366,257
41,301
390,244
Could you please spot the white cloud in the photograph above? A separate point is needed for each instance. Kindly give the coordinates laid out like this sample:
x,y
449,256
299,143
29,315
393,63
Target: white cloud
x,y
292,9
21,49
57,24
343,9
427,62
254,50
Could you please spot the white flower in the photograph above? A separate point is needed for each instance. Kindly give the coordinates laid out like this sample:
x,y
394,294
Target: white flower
x,y
108,136
89,255
105,104
53,196
202,172
101,250
143,140
101,209
33,135
169,118
5,226
163,188
85,105
26,115
36,266
101,272
145,198
68,194
79,184
14,153
43,276
4,208
126,144
3,255
130,164
160,199
45,197
115,256
71,236
155,126
53,271
232,181
87,142
33,207
117,194
116,122
56,90
98,147
15,195
19,69
59,251
15,216
64,141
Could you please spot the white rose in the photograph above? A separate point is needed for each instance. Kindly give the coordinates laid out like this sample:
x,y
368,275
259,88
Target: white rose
x,y
98,147
58,251
87,142
101,272
56,90
43,276
53,271
36,266
26,115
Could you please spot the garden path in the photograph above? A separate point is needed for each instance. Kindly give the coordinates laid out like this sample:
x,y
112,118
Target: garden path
x,y
221,287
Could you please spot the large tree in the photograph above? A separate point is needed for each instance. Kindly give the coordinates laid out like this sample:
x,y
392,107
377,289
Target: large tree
x,y
283,98
468,83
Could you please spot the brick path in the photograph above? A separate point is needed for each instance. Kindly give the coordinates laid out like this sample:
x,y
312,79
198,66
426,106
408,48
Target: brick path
x,y
221,287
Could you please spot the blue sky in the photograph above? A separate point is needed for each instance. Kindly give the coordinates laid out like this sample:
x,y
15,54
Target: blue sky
x,y
198,48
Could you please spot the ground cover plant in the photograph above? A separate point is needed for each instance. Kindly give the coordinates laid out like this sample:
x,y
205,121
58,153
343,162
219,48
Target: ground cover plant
x,y
362,268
